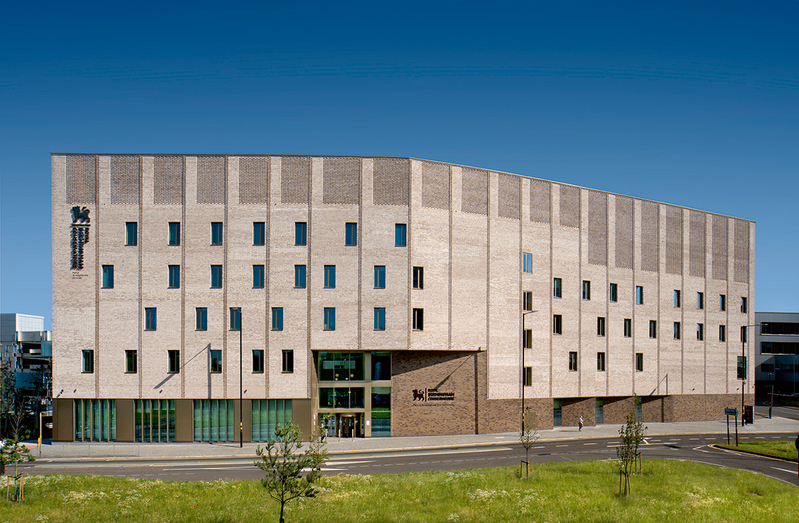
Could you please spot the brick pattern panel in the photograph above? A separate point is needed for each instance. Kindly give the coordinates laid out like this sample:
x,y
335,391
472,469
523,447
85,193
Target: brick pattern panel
x,y
475,191
510,196
697,244
125,179
435,185
295,179
624,232
673,240
650,236
597,228
569,206
616,409
702,407
540,201
573,408
168,180
391,181
254,180
211,179
342,181
720,252
81,179
741,251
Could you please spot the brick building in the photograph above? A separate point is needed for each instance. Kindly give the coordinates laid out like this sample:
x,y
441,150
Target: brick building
x,y
379,296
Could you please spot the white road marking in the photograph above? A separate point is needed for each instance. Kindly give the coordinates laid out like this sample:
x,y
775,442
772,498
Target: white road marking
x,y
784,470
589,443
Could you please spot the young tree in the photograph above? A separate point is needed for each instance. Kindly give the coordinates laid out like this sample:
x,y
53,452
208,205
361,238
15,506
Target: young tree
x,y
528,436
13,452
632,433
283,460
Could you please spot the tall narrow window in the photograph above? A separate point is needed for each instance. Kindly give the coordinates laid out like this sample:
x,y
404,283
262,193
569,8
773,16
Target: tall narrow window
x,y
258,233
380,276
277,318
700,331
676,330
216,233
700,300
722,302
400,235
418,277
216,276
174,276
131,362
586,290
653,329
744,304
300,233
131,233
299,276
600,361
639,294
87,361
418,319
201,317
258,276
150,318
380,318
527,377
174,233
351,234
557,287
528,339
527,301
741,367
744,337
676,298
628,327
216,362
600,326
639,361
722,333
330,276
288,361
258,361
330,319
173,361
573,361
108,276
614,292
235,318
557,324
527,262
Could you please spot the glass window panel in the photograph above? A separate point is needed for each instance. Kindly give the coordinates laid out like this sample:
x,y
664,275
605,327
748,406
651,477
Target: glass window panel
x,y
206,420
381,366
198,420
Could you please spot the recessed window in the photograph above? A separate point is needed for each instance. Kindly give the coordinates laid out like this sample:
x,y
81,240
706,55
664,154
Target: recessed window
x,y
614,292
722,302
418,319
87,361
288,361
572,361
639,361
330,276
639,294
235,318
700,331
258,361
400,235
700,300
528,339
722,333
744,337
300,233
216,276
201,318
418,277
744,305
216,361
351,234
527,377
741,374
258,276
173,361
557,287
330,319
277,318
586,290
527,262
216,233
628,327
677,298
600,361
131,361
108,276
600,326
174,276
131,233
258,233
174,233
299,276
557,324
527,301
380,318
676,330
653,329
380,276
150,318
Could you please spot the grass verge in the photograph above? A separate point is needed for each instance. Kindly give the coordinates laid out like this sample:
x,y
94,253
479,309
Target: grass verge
x,y
776,449
575,491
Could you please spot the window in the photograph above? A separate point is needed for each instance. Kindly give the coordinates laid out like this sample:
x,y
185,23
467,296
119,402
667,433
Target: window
x,y
557,324
400,232
216,276
131,362
614,292
742,367
258,233
108,276
330,319
380,276
676,330
174,233
700,300
600,361
653,329
299,276
557,287
131,233
527,377
216,233
600,326
288,361
235,318
573,361
87,361
766,367
527,341
744,306
722,302
722,333
201,317
300,233
586,290
418,277
351,234
743,334
639,294
700,331
330,276
277,318
216,361
380,318
639,361
258,361
628,327
676,298
418,319
258,276
174,276
173,363
527,301
150,318
527,262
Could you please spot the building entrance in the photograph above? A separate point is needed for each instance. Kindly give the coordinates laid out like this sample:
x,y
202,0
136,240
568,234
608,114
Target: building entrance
x,y
349,425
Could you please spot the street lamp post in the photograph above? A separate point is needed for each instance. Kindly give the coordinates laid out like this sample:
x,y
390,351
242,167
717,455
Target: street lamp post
x,y
521,360
241,381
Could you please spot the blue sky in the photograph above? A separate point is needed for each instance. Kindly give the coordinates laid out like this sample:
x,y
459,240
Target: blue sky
x,y
695,104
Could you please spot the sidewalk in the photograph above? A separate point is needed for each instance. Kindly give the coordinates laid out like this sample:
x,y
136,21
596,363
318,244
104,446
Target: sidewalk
x,y
74,450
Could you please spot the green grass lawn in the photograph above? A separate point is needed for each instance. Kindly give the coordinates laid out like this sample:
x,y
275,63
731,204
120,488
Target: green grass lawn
x,y
777,449
670,491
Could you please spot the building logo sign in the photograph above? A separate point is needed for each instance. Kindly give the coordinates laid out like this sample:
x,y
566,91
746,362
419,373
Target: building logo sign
x,y
79,235
427,396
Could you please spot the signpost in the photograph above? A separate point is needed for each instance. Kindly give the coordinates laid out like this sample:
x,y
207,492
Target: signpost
x,y
734,412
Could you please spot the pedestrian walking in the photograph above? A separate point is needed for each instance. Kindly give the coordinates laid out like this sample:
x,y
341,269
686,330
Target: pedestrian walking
x,y
580,424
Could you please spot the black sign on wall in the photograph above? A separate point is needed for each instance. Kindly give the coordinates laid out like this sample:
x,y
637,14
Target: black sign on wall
x,y
79,235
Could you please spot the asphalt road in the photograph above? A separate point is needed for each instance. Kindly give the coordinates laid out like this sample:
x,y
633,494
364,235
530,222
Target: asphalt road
x,y
692,447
